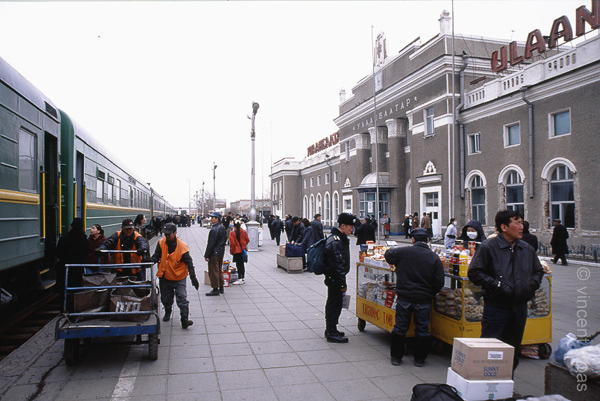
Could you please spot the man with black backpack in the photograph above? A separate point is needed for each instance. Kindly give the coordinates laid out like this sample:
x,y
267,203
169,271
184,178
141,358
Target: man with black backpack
x,y
337,261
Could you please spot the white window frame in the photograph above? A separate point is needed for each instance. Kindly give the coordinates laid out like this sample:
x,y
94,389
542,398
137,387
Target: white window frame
x,y
336,176
347,198
312,182
470,144
318,180
551,133
506,130
305,184
327,178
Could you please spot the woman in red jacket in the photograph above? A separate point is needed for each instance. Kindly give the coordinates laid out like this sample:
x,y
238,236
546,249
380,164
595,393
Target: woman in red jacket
x,y
238,243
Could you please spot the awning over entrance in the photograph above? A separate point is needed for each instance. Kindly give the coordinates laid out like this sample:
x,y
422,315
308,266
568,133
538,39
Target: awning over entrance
x,y
370,181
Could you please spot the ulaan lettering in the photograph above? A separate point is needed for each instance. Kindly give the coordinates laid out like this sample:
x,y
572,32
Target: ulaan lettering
x,y
561,28
388,111
324,143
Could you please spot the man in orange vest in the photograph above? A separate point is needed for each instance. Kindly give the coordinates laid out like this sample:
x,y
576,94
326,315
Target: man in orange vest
x,y
174,265
127,240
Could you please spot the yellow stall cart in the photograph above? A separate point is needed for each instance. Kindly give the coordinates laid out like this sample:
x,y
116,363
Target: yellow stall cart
x,y
457,313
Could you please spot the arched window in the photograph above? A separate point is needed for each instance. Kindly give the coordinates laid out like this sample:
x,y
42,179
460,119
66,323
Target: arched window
x,y
514,192
319,208
336,208
327,210
562,196
477,199
305,206
311,207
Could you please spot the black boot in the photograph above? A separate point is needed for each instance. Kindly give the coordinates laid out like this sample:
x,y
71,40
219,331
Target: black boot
x,y
167,315
334,336
185,323
422,347
215,291
221,290
397,347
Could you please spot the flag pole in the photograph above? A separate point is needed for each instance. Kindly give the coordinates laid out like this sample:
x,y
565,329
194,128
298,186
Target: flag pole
x,y
376,141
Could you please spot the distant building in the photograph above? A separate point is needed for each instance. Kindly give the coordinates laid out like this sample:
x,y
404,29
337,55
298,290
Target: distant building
x,y
516,128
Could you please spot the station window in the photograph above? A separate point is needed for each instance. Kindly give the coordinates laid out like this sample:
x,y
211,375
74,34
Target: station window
x,y
512,135
562,196
560,123
475,143
514,192
27,161
429,126
477,199
305,183
312,182
336,176
318,180
326,178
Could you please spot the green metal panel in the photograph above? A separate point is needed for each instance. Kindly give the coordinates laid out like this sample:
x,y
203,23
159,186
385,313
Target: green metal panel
x,y
67,171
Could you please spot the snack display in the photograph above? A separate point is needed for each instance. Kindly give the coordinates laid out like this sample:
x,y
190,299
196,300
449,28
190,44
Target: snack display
x,y
539,305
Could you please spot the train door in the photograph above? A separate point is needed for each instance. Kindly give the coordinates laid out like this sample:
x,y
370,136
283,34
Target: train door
x,y
50,199
80,185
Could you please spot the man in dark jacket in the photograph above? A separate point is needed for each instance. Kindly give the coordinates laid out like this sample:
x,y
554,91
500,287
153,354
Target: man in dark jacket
x,y
317,228
509,272
277,226
419,277
559,242
127,240
298,231
337,259
215,249
529,237
289,227
72,248
365,232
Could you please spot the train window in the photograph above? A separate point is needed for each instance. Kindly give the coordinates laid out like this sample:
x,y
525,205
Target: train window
x,y
99,190
130,196
117,192
27,161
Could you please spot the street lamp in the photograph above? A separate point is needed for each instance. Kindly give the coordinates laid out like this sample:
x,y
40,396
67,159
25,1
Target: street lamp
x,y
214,187
252,225
253,173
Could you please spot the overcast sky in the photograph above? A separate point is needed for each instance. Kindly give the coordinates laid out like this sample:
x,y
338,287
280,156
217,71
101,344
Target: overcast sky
x,y
168,86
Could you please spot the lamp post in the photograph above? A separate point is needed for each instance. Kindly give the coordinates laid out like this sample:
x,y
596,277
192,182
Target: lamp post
x,y
214,187
253,225
202,199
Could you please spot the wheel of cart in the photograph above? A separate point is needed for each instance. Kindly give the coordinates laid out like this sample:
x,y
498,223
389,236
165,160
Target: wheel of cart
x,y
123,307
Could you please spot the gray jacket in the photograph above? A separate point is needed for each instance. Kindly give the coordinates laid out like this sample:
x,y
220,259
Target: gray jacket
x,y
508,276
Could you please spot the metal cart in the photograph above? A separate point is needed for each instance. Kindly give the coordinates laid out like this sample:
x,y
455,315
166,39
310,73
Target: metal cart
x,y
74,327
457,313
376,297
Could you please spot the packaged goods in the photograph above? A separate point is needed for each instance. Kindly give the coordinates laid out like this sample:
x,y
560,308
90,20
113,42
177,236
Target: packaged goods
x,y
477,390
482,359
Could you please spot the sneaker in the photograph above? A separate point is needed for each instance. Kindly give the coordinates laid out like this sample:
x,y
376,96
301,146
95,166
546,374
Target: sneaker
x,y
419,362
335,338
214,292
185,323
221,290
167,315
243,281
396,361
238,282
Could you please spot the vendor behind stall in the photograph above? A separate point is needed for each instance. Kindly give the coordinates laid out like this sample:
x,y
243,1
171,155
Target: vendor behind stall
x,y
473,231
419,277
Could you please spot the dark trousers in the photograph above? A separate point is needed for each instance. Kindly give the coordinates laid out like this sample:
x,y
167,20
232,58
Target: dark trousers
x,y
174,289
278,237
421,314
333,307
215,273
238,258
506,325
562,257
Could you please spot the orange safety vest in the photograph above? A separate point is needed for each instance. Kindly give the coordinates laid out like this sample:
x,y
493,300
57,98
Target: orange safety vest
x,y
135,258
170,266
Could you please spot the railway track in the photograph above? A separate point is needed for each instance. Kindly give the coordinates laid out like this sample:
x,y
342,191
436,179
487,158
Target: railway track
x,y
17,329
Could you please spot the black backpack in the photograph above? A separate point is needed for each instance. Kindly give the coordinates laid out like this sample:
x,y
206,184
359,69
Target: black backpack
x,y
315,257
434,392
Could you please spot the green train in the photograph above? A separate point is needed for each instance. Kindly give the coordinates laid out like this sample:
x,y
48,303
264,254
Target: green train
x,y
52,171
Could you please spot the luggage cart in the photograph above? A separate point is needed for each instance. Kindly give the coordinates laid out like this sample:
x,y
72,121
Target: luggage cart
x,y
74,327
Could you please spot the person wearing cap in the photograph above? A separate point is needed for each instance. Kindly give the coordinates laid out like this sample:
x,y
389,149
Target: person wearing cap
x,y
174,266
298,231
215,249
277,226
419,277
559,242
317,228
337,260
126,240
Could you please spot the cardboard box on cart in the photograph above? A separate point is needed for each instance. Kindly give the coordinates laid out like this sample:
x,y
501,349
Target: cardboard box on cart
x,y
482,359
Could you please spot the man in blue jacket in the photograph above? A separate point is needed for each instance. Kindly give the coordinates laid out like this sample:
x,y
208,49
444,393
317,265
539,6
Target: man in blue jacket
x,y
509,272
419,277
215,249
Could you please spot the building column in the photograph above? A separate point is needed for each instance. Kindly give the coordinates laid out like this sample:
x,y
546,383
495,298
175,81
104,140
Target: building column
x,y
379,148
396,137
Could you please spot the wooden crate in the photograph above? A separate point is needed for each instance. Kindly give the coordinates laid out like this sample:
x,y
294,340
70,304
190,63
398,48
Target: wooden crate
x,y
290,264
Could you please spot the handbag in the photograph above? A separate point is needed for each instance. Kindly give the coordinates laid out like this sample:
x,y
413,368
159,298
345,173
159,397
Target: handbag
x,y
245,252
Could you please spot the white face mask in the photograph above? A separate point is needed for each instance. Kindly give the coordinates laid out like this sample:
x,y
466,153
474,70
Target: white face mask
x,y
471,234
455,222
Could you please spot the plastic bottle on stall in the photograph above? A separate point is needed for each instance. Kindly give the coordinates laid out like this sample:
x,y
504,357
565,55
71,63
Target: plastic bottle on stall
x,y
463,263
447,261
456,261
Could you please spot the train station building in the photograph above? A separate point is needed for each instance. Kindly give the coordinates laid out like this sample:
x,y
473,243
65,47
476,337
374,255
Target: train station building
x,y
517,128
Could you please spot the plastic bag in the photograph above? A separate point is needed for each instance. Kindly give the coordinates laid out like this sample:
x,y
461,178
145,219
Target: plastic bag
x,y
584,361
567,343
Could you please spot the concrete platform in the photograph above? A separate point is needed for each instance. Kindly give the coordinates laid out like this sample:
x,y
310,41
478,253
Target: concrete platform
x,y
263,341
